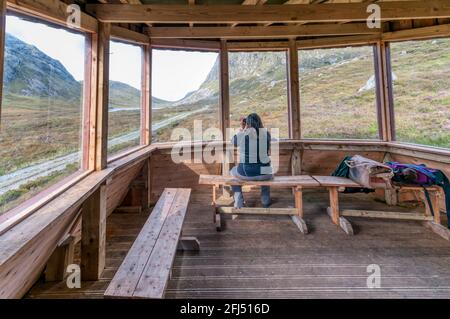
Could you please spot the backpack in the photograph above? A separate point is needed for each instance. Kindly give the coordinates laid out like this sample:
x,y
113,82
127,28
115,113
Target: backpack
x,y
422,176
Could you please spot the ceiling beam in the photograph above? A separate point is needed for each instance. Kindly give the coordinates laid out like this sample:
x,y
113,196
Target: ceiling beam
x,y
251,3
395,10
293,2
255,32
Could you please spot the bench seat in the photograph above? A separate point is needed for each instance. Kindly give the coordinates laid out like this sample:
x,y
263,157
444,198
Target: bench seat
x,y
146,268
277,181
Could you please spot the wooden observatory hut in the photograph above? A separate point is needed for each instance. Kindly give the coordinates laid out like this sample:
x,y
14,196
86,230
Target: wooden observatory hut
x,y
96,200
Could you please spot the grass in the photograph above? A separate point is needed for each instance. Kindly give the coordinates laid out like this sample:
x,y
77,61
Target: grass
x,y
12,198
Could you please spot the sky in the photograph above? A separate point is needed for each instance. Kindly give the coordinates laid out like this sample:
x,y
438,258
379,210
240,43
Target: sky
x,y
175,73
59,44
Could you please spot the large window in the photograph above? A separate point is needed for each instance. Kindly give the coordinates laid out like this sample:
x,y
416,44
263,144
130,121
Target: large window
x,y
258,84
185,87
421,82
41,120
338,93
124,109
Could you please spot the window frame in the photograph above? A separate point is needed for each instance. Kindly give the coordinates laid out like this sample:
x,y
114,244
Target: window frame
x,y
38,200
145,101
378,87
271,47
391,96
186,46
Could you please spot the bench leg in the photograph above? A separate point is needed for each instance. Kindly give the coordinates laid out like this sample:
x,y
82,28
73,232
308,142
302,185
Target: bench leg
x,y
439,229
217,220
334,204
298,195
298,219
189,244
434,198
216,216
333,212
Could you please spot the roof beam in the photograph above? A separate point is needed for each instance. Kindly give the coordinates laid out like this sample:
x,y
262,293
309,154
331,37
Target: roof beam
x,y
251,3
256,32
395,10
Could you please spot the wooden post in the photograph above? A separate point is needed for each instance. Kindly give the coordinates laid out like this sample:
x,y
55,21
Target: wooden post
x,y
390,194
385,103
146,96
224,90
293,91
296,162
101,137
224,108
60,259
2,49
93,235
89,101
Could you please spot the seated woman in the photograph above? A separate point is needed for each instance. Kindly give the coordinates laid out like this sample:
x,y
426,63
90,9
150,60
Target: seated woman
x,y
253,141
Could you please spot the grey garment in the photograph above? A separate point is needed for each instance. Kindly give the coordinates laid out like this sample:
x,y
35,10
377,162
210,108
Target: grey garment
x,y
234,172
237,189
249,147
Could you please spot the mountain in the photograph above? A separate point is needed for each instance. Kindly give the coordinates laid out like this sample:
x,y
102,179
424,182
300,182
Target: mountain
x,y
30,72
250,70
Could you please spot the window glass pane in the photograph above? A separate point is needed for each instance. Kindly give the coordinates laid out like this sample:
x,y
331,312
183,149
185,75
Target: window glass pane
x,y
185,87
258,84
41,120
338,93
421,81
124,109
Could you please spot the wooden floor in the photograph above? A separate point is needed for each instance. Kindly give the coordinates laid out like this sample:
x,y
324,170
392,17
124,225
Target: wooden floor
x,y
268,257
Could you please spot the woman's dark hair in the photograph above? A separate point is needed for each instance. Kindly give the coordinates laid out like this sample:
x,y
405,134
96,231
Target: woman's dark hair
x,y
253,120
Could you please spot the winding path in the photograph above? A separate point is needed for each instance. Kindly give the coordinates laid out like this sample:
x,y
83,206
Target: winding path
x,y
17,178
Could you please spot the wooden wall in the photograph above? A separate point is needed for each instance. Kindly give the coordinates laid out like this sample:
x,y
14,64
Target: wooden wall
x,y
117,188
166,173
20,271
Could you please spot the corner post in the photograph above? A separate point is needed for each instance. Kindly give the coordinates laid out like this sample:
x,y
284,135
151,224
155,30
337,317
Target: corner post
x,y
224,89
385,102
2,48
101,135
293,91
224,108
146,96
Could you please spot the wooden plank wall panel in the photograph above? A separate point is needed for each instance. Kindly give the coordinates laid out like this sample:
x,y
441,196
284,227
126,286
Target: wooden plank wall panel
x,y
166,173
324,162
117,189
18,274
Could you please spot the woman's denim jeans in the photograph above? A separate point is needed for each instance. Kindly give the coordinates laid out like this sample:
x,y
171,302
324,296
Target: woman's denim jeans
x,y
237,190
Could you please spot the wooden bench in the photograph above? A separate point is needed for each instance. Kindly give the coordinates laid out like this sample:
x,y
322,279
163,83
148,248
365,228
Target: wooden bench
x,y
333,184
146,268
297,183
338,216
